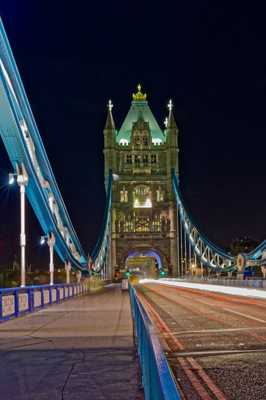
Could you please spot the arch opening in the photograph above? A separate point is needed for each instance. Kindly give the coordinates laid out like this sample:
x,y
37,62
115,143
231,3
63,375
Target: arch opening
x,y
144,263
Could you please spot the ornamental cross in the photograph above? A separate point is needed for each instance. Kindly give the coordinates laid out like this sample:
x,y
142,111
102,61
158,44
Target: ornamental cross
x,y
166,122
170,105
110,105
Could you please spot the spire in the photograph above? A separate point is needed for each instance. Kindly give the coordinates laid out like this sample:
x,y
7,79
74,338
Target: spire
x,y
109,124
171,124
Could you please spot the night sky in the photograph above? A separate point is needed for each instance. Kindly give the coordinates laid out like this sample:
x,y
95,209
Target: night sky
x,y
210,59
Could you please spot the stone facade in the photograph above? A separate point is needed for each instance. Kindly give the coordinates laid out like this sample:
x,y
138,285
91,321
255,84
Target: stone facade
x,y
142,157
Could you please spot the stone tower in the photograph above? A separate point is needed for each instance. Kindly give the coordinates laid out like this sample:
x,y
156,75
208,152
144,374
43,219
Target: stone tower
x,y
142,156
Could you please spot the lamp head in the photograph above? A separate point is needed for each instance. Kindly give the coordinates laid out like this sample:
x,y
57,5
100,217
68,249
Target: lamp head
x,y
42,241
11,178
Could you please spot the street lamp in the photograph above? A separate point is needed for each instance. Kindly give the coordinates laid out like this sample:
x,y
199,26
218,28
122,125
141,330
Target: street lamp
x,y
68,270
50,240
22,181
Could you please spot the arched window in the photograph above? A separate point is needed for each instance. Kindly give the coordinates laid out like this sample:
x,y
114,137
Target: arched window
x,y
142,197
159,194
123,195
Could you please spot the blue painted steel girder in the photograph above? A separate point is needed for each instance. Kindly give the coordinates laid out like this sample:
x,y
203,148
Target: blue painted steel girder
x,y
15,112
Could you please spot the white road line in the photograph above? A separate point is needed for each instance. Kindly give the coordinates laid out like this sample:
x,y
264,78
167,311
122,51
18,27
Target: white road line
x,y
245,315
217,330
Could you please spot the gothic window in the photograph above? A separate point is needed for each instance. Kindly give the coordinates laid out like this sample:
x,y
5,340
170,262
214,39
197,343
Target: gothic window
x,y
129,159
156,223
145,160
142,224
142,197
154,158
159,195
137,161
137,140
145,140
123,195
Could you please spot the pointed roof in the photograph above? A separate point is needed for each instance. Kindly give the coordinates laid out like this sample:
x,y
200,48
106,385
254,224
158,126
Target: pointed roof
x,y
109,124
171,124
139,107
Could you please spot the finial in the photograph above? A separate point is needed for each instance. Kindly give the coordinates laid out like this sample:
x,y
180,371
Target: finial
x,y
110,105
166,122
139,96
170,105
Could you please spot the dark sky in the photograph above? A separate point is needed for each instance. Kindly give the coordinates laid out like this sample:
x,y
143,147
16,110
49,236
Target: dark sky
x,y
209,58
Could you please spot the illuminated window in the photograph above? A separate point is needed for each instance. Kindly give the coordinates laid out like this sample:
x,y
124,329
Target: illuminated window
x,y
142,224
129,159
123,142
154,158
159,195
123,195
156,141
142,197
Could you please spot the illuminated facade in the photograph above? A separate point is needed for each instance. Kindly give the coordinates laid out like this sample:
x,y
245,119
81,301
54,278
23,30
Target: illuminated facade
x,y
142,156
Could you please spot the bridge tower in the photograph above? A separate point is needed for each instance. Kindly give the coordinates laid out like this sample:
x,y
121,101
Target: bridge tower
x,y
144,215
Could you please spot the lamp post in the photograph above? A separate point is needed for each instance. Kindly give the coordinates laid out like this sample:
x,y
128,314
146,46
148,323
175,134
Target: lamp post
x,y
50,240
78,275
22,181
68,269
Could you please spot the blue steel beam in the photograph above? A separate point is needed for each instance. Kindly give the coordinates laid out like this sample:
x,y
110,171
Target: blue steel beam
x,y
208,253
24,145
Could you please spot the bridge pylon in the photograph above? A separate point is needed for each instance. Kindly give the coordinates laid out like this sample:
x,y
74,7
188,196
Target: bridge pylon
x,y
142,156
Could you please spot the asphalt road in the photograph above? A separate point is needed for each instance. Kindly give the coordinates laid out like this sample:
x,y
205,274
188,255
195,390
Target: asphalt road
x,y
215,343
79,349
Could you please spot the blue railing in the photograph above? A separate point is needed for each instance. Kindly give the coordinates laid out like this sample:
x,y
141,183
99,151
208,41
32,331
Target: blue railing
x,y
18,301
157,378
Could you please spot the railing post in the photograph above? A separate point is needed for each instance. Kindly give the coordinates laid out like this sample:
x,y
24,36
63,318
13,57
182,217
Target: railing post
x,y
30,293
50,295
57,294
42,297
16,302
1,305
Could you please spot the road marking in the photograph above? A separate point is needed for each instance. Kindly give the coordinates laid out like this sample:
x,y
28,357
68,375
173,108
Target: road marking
x,y
193,379
174,343
222,330
216,352
215,390
245,315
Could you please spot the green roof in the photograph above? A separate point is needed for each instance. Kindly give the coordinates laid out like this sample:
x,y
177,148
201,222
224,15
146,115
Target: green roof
x,y
139,108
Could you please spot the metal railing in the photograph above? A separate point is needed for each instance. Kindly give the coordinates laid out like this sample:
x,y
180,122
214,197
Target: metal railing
x,y
18,301
246,283
157,378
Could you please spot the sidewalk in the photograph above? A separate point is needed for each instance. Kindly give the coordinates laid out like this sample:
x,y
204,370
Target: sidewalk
x,y
80,349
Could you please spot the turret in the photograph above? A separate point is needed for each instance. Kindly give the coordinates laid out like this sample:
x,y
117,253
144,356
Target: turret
x,y
172,139
109,128
109,142
171,127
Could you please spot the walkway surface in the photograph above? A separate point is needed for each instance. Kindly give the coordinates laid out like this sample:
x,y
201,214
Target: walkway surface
x,y
80,349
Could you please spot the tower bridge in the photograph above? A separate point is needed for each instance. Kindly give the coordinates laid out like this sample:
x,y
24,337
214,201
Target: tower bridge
x,y
145,225
144,206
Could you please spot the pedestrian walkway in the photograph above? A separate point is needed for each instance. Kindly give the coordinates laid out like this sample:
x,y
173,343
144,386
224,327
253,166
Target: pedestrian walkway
x,y
80,349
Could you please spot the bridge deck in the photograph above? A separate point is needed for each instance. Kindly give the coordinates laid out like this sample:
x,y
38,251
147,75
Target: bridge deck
x,y
80,349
